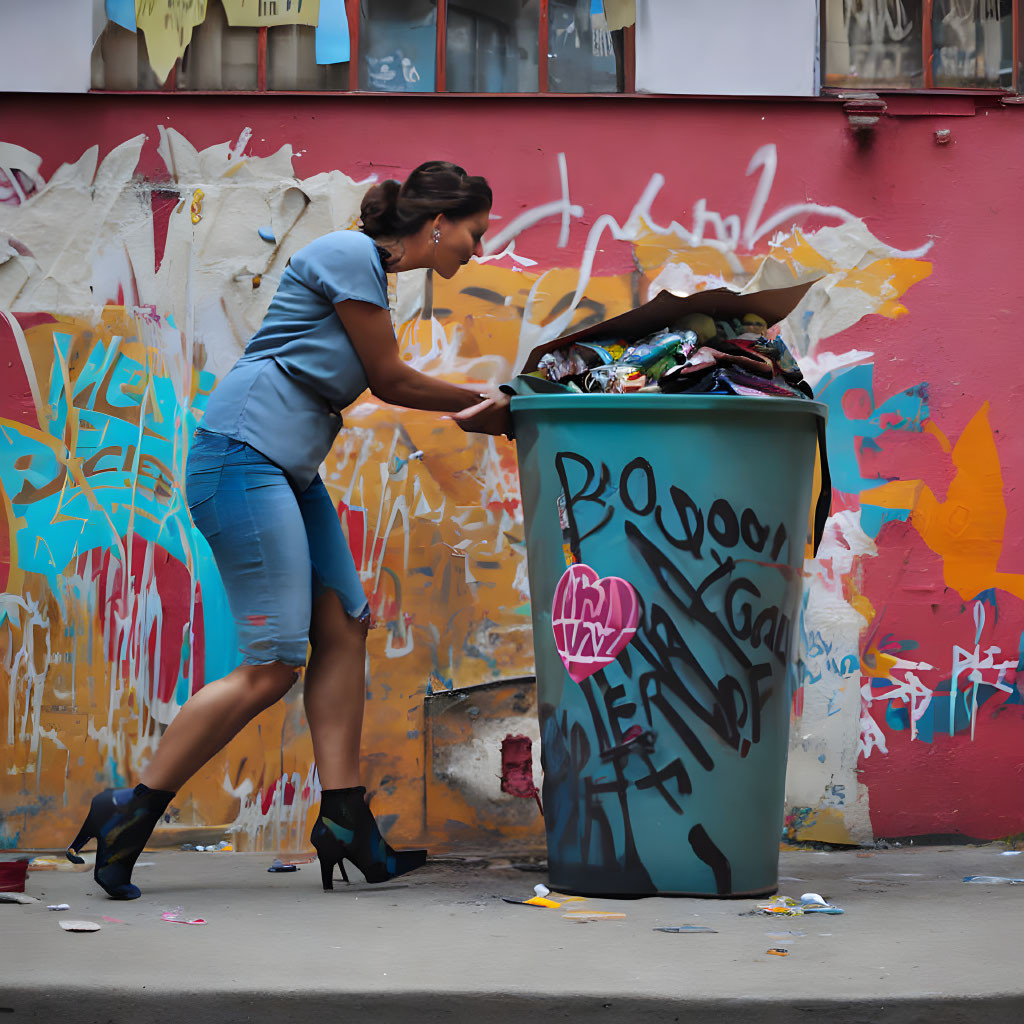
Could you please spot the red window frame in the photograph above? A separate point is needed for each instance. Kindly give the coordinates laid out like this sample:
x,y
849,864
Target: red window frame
x,y
927,55
440,55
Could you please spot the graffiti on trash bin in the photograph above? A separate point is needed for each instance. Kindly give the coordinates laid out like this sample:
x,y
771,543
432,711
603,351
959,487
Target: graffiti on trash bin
x,y
709,654
593,619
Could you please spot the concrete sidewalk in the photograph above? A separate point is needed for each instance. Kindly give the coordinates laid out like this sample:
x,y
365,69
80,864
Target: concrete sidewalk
x,y
915,944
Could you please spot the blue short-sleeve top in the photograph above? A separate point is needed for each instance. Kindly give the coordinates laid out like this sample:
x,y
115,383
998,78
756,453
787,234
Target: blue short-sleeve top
x,y
285,394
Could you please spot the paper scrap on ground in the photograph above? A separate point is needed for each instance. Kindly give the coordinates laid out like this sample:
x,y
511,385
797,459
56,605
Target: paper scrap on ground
x,y
16,897
79,926
177,916
687,929
593,915
59,906
533,901
993,880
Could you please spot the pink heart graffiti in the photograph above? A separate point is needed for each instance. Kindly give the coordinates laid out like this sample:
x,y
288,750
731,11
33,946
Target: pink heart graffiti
x,y
592,619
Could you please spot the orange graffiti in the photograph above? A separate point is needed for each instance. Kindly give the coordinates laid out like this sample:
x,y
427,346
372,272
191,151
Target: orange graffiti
x,y
967,528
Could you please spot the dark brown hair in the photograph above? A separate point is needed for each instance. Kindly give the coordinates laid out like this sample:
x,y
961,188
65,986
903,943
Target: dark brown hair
x,y
394,210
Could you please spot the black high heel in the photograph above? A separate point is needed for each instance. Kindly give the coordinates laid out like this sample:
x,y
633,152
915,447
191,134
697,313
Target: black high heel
x,y
121,821
345,830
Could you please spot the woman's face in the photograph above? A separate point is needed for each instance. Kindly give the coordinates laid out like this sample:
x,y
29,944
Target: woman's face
x,y
460,239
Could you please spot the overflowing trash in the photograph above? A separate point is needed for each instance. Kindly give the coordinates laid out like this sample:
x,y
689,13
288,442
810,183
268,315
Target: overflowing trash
x,y
699,356
715,342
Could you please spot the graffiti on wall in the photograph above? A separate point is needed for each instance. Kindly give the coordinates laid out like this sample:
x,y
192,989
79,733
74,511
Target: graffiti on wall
x,y
117,328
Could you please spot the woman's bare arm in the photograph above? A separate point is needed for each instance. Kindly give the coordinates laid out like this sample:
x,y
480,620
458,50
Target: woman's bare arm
x,y
391,379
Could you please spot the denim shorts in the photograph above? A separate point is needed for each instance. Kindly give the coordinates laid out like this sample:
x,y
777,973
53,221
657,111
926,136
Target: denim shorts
x,y
277,548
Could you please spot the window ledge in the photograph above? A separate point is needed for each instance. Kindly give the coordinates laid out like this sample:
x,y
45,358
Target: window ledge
x,y
897,102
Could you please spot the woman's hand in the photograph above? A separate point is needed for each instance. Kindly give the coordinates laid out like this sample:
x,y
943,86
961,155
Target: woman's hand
x,y
491,416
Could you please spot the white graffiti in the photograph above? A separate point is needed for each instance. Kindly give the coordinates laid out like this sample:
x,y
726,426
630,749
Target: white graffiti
x,y
729,233
971,665
909,689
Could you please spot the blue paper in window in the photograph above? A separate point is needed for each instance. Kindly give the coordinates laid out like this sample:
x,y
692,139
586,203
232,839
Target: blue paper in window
x,y
332,44
122,12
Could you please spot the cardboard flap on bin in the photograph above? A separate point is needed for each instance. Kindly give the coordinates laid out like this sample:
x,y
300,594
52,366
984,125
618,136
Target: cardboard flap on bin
x,y
721,303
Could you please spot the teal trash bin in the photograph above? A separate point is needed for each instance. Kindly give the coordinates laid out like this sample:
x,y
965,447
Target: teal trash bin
x,y
665,541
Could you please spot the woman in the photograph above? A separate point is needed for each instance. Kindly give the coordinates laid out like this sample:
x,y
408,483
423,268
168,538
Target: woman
x,y
254,492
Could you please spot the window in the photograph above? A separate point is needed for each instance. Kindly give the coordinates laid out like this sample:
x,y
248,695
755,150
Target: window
x,y
922,44
458,46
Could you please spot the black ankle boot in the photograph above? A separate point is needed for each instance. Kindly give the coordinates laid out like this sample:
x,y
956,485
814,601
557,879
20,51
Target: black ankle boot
x,y
121,821
345,830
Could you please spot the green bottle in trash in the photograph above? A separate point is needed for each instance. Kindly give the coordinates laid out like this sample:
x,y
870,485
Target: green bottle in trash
x,y
665,540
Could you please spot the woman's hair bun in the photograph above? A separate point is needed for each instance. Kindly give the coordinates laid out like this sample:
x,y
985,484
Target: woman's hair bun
x,y
378,208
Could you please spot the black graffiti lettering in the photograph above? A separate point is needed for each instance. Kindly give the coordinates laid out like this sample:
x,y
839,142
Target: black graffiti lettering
x,y
755,535
690,518
657,779
731,711
723,525
765,628
768,627
680,674
742,628
779,542
687,598
618,707
604,741
595,485
659,641
650,489
759,697
784,639
705,848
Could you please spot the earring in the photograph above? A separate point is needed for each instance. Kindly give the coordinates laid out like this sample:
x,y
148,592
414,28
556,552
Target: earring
x,y
437,235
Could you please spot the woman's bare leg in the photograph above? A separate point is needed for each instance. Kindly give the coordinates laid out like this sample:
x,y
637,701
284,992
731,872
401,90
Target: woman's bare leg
x,y
335,691
212,717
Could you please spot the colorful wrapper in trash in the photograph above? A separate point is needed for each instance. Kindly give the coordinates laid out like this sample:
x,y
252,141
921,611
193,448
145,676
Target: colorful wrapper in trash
x,y
602,380
777,350
658,369
563,362
646,353
604,352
